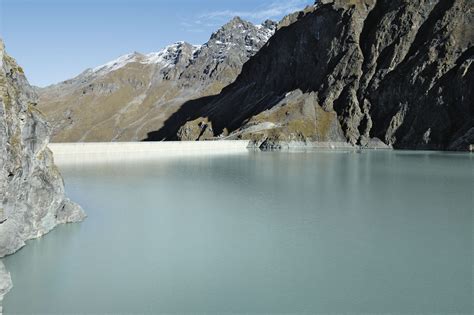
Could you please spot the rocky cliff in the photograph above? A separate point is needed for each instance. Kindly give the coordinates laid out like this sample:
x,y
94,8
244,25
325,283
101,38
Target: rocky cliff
x,y
351,70
32,200
126,98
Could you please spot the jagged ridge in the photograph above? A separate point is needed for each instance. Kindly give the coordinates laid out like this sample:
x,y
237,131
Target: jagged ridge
x,y
126,98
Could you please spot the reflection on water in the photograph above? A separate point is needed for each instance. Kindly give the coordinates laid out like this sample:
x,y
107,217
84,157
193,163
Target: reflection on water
x,y
321,232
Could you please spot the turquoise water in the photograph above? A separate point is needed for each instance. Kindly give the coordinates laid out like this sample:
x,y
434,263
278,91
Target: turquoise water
x,y
322,232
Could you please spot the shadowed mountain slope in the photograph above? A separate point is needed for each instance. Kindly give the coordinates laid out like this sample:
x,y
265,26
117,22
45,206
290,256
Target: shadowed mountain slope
x,y
400,71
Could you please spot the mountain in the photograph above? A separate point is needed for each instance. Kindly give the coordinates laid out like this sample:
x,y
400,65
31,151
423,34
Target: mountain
x,y
32,200
358,71
126,98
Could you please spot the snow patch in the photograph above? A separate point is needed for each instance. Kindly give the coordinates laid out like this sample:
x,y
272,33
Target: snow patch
x,y
166,57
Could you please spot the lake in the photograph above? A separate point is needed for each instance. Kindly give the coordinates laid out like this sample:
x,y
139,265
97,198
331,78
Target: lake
x,y
259,232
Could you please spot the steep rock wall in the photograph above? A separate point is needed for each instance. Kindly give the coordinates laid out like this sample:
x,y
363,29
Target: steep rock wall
x,y
397,70
32,199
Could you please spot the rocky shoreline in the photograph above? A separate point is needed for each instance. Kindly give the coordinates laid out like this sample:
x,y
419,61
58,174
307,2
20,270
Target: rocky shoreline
x,y
275,145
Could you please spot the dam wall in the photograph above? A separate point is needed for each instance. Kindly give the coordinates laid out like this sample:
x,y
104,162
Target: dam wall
x,y
90,152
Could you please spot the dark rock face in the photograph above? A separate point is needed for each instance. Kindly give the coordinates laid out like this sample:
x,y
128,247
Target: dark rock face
x,y
397,70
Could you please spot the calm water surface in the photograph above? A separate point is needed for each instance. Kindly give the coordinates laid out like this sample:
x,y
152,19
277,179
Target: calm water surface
x,y
325,232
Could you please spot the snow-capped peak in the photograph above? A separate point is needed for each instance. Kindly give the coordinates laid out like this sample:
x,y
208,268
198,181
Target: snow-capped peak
x,y
234,35
166,57
169,55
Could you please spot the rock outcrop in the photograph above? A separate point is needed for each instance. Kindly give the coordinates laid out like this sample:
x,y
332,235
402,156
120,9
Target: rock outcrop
x,y
354,70
126,98
32,200
5,284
